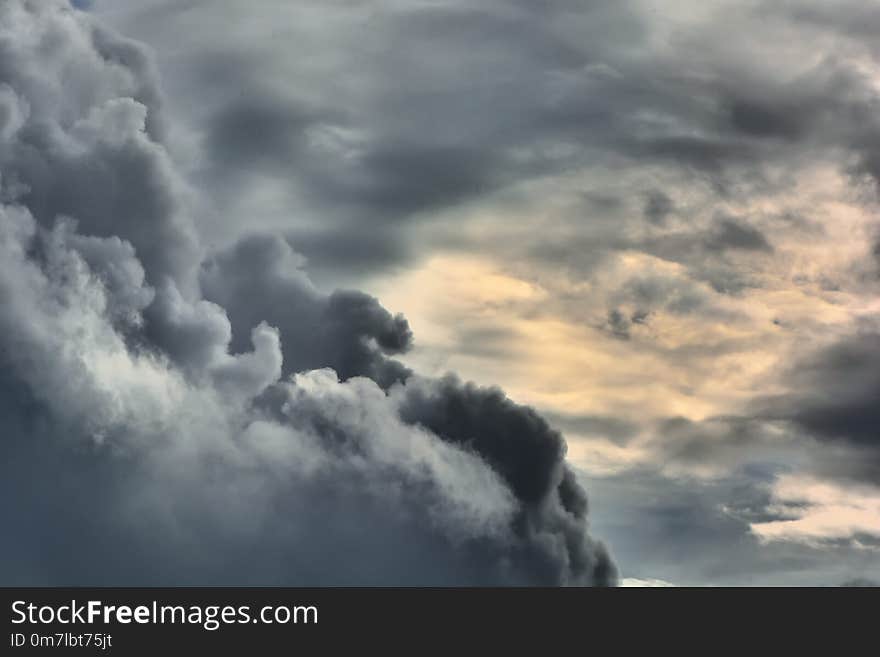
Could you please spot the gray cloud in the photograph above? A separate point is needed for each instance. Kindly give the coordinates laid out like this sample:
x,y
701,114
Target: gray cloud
x,y
696,532
775,432
261,279
301,472
461,102
529,455
81,107
617,430
176,419
730,233
842,385
347,150
658,206
833,399
353,148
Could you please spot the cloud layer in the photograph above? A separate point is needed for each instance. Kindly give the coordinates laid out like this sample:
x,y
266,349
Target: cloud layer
x,y
176,415
655,228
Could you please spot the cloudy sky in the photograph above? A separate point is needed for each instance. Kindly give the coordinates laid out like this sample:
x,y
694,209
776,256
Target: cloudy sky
x,y
440,292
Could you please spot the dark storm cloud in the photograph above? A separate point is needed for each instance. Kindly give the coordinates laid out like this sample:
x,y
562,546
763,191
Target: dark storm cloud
x,y
835,393
261,279
327,460
849,410
470,110
529,455
351,127
514,439
149,417
448,104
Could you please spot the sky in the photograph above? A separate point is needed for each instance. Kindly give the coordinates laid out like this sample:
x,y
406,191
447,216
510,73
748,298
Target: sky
x,y
552,292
